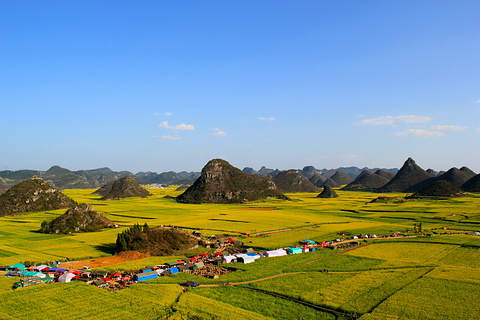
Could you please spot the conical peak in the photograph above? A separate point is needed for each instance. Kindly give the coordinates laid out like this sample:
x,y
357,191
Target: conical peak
x,y
409,162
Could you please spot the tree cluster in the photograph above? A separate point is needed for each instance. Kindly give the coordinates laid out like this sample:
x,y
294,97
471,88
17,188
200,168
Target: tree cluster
x,y
156,241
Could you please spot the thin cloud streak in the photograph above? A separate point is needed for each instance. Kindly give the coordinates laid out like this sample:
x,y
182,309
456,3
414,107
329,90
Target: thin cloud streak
x,y
391,120
267,118
181,126
419,133
448,127
165,137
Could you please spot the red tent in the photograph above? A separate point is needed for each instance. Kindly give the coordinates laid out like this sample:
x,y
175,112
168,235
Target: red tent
x,y
230,240
218,254
204,255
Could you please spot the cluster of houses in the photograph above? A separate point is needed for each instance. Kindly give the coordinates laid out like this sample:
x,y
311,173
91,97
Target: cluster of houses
x,y
205,265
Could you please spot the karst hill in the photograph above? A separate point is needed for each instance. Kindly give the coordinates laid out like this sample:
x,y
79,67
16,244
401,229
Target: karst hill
x,y
457,177
3,186
82,218
327,192
408,179
438,189
124,187
33,195
472,185
293,181
220,182
313,175
367,180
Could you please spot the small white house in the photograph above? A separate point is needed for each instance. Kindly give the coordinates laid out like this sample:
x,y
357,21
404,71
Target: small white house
x,y
275,253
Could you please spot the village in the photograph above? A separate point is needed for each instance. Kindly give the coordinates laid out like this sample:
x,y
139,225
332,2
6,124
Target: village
x,y
207,265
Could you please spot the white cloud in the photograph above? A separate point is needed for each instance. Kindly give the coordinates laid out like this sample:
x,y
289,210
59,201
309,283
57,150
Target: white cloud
x,y
181,126
167,114
419,133
219,133
391,120
170,138
377,121
477,101
447,127
413,118
267,118
477,131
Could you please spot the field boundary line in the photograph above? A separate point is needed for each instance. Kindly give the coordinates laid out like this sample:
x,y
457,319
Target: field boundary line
x,y
400,289
307,304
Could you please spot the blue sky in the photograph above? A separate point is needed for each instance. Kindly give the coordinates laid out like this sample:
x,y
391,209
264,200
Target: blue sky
x,y
169,85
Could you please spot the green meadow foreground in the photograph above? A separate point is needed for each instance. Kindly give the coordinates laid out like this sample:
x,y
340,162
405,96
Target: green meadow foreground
x,y
423,277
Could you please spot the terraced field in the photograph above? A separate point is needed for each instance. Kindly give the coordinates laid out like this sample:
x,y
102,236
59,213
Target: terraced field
x,y
426,277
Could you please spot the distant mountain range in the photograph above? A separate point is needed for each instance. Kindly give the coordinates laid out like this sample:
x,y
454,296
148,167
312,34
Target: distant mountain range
x,y
410,178
63,178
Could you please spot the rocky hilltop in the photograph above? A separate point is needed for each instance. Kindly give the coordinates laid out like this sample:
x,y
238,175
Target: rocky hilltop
x,y
220,182
82,218
408,179
33,195
293,181
122,188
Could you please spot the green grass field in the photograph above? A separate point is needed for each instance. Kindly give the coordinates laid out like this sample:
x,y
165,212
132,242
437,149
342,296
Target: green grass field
x,y
427,277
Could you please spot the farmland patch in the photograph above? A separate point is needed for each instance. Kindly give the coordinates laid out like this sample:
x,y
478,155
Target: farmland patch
x,y
4,253
433,298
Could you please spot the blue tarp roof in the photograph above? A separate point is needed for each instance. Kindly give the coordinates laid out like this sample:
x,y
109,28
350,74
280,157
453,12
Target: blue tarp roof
x,y
174,270
57,270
